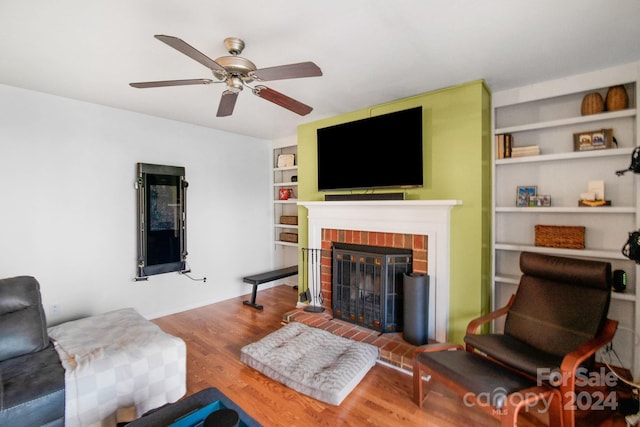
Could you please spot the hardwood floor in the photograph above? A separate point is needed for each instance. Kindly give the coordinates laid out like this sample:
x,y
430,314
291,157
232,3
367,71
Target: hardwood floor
x,y
215,334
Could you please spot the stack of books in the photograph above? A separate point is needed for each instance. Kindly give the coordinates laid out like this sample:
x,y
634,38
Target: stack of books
x,y
505,148
528,150
503,145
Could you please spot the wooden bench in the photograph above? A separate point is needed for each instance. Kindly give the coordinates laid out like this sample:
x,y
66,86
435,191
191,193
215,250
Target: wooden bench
x,y
266,277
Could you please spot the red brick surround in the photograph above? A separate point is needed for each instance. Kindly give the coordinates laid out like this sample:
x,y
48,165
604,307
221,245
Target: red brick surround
x,y
418,243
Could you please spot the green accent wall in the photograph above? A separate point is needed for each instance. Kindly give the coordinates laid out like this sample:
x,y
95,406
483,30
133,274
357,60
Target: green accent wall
x,y
457,165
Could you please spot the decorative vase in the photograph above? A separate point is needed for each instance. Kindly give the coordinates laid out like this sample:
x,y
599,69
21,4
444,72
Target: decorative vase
x,y
592,103
617,98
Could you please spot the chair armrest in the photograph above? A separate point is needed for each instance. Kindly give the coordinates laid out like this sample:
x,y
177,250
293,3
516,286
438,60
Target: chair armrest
x,y
475,324
437,347
572,361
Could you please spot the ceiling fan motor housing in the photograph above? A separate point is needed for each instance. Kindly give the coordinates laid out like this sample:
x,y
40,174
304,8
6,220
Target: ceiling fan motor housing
x,y
236,66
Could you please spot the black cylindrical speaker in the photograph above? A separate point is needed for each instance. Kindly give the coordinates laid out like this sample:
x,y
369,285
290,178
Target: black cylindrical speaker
x,y
416,308
619,280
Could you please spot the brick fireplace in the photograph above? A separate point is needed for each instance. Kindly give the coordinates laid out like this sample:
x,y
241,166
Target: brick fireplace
x,y
417,243
420,225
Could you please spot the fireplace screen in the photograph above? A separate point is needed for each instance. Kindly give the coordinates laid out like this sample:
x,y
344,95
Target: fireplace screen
x,y
367,285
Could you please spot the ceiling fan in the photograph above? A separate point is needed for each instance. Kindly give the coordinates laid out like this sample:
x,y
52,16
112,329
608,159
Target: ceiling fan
x,y
238,72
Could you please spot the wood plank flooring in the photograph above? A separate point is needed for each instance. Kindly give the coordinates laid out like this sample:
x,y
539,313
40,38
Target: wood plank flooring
x,y
215,334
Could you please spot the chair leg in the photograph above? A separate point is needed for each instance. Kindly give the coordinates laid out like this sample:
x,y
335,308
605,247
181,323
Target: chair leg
x,y
529,398
417,385
567,390
555,410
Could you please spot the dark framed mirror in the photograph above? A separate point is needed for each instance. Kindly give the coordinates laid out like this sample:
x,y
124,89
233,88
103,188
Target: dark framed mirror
x,y
162,219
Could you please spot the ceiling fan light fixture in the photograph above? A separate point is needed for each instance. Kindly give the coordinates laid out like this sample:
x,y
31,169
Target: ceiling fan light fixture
x,y
234,84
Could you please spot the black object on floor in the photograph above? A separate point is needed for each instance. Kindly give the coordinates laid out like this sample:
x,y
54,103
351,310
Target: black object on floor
x,y
266,277
193,410
222,418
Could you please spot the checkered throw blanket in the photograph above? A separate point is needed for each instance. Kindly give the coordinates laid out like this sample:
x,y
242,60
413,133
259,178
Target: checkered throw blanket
x,y
118,365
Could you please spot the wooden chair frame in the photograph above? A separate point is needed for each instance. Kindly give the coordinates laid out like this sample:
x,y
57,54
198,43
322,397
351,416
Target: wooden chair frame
x,y
568,368
508,414
570,363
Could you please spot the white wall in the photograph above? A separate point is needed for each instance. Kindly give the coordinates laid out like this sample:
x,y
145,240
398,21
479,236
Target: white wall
x,y
68,209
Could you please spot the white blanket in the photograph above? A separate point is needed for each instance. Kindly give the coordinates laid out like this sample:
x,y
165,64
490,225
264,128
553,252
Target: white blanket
x,y
118,365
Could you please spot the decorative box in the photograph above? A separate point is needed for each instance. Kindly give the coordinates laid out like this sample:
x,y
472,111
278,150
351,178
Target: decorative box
x,y
560,236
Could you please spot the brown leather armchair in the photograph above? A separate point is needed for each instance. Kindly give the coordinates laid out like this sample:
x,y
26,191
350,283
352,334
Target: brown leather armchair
x,y
554,325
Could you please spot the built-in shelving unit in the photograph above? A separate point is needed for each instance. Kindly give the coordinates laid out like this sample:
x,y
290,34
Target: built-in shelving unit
x,y
286,253
548,114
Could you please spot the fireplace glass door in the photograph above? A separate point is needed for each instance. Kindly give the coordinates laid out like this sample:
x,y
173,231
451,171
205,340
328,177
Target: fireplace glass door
x,y
367,285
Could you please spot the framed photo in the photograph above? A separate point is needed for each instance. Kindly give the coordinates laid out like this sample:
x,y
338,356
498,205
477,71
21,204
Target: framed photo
x,y
540,201
524,195
593,140
286,160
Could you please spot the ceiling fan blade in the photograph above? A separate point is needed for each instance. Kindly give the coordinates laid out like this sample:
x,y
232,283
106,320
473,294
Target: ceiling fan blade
x,y
185,48
227,103
290,71
282,100
163,83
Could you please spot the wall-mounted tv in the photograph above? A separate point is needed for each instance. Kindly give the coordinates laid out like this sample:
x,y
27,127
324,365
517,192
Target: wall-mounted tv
x,y
378,152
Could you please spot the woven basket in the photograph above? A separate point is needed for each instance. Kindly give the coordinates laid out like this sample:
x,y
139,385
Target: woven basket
x,y
560,236
592,103
617,98
289,219
289,237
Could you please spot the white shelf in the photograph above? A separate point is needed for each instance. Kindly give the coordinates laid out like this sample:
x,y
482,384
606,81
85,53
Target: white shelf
x,y
574,155
568,210
515,280
547,114
281,243
286,226
288,168
590,253
286,253
630,112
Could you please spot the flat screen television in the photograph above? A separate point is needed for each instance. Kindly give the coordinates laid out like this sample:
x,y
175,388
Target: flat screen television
x,y
378,152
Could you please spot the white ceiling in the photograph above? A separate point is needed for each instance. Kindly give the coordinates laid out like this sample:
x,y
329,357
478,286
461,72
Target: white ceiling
x,y
370,51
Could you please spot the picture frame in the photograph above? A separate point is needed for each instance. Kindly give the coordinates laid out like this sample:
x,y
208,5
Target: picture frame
x,y
286,160
524,194
540,201
593,140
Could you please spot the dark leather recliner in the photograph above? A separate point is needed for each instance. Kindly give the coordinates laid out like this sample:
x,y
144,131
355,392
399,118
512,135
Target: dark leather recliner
x,y
32,388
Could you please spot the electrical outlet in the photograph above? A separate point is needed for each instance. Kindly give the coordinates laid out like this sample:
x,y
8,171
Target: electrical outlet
x,y
54,309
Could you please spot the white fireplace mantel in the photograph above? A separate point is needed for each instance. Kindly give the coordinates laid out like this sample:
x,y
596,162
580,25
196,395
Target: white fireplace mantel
x,y
424,217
